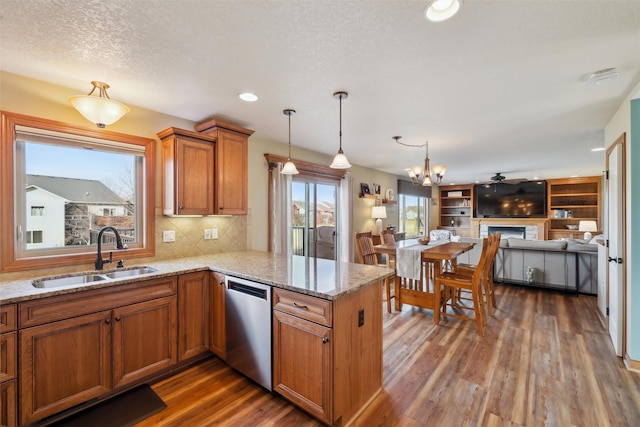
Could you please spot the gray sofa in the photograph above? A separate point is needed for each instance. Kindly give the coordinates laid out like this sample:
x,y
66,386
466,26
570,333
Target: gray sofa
x,y
556,264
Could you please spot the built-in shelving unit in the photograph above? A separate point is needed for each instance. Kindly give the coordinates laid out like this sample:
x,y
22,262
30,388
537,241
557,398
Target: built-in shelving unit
x,y
570,201
456,209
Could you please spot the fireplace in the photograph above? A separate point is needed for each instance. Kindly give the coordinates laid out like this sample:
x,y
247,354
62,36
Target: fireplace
x,y
507,231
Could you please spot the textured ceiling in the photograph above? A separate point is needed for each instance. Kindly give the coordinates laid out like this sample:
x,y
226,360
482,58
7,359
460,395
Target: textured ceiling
x,y
501,87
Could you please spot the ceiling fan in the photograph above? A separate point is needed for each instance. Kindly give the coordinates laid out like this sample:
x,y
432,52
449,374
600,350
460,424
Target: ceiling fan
x,y
498,178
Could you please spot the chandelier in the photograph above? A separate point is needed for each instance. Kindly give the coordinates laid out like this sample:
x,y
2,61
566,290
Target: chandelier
x,y
424,175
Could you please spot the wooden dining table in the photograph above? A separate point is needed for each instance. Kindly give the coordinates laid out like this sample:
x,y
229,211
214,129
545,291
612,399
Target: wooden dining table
x,y
436,255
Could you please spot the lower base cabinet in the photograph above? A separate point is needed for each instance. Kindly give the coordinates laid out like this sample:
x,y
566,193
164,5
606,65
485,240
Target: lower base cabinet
x,y
193,315
8,408
85,355
217,324
302,369
327,355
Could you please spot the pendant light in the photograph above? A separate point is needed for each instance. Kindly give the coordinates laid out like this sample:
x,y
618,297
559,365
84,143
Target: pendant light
x,y
289,168
99,109
340,160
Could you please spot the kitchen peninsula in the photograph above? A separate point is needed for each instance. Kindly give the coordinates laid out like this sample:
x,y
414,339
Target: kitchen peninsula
x,y
326,322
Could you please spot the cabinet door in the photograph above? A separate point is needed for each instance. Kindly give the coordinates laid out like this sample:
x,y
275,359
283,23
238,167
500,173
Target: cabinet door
x,y
194,177
8,408
217,326
144,339
64,363
8,356
302,363
193,314
231,170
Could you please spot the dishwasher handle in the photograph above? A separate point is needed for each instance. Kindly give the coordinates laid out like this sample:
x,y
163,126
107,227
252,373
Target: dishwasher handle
x,y
248,290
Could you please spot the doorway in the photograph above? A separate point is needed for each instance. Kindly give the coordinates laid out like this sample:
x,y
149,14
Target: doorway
x,y
313,218
615,237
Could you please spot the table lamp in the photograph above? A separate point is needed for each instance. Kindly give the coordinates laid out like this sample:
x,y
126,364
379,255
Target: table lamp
x,y
379,212
587,227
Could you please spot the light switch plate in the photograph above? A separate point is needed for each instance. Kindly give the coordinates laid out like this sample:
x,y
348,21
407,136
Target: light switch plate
x,y
169,236
214,233
207,234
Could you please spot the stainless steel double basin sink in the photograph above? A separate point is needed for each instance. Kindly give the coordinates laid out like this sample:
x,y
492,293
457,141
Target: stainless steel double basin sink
x,y
84,278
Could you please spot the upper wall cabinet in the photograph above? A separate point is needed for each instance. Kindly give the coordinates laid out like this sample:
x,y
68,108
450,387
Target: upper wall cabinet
x,y
188,160
231,165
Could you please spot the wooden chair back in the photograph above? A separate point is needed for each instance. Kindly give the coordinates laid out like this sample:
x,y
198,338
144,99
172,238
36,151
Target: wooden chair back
x,y
388,236
364,247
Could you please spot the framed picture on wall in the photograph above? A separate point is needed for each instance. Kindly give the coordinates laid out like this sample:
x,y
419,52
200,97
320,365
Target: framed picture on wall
x,y
364,189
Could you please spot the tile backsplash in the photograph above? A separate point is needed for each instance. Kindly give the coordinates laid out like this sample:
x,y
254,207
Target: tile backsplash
x,y
189,241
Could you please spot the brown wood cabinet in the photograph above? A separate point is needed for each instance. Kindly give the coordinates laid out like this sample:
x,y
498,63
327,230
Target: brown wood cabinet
x,y
144,339
571,200
188,160
456,209
8,405
327,355
8,365
217,324
80,346
193,314
231,165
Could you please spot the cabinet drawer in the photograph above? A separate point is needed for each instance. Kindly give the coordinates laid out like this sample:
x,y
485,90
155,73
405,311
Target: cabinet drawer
x,y
66,306
310,308
8,318
8,356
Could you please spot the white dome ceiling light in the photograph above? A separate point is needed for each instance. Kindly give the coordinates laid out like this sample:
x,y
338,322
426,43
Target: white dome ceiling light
x,y
604,76
99,109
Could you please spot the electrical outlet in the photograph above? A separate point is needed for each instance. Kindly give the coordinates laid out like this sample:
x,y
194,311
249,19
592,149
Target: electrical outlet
x,y
207,234
214,233
169,236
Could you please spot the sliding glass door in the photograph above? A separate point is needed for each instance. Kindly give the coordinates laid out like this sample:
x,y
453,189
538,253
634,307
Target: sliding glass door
x,y
313,217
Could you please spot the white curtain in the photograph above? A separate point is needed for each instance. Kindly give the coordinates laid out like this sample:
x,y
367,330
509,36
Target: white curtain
x,y
345,236
279,218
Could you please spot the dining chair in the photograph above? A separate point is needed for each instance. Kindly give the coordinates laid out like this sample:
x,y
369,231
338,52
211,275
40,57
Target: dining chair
x,y
367,255
488,287
388,237
452,281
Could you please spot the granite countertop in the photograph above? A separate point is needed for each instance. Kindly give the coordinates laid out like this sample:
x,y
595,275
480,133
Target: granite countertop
x,y
318,277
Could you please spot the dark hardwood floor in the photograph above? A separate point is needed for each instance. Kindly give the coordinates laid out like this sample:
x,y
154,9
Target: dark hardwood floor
x,y
545,360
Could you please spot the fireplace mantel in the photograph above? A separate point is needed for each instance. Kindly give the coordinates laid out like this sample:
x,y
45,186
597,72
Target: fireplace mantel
x,y
541,223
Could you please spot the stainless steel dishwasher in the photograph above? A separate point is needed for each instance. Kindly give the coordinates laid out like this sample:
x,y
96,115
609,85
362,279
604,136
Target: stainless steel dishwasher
x,y
248,319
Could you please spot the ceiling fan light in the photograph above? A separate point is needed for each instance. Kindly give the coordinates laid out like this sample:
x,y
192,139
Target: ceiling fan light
x,y
441,10
99,109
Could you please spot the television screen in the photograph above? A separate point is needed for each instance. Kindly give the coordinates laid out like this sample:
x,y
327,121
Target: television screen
x,y
522,200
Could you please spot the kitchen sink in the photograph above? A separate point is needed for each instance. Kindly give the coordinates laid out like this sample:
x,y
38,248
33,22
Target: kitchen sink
x,y
134,271
68,281
81,279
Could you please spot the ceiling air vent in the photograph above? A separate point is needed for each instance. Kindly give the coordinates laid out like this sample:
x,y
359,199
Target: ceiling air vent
x,y
604,76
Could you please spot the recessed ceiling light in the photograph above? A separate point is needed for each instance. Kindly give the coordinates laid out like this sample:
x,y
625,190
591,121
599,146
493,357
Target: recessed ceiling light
x,y
604,76
248,96
598,149
441,10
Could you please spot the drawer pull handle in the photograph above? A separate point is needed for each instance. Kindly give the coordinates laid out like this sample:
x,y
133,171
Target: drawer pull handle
x,y
107,321
304,307
325,340
118,319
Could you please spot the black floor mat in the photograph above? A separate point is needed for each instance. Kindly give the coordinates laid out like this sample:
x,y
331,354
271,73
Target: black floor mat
x,y
123,410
